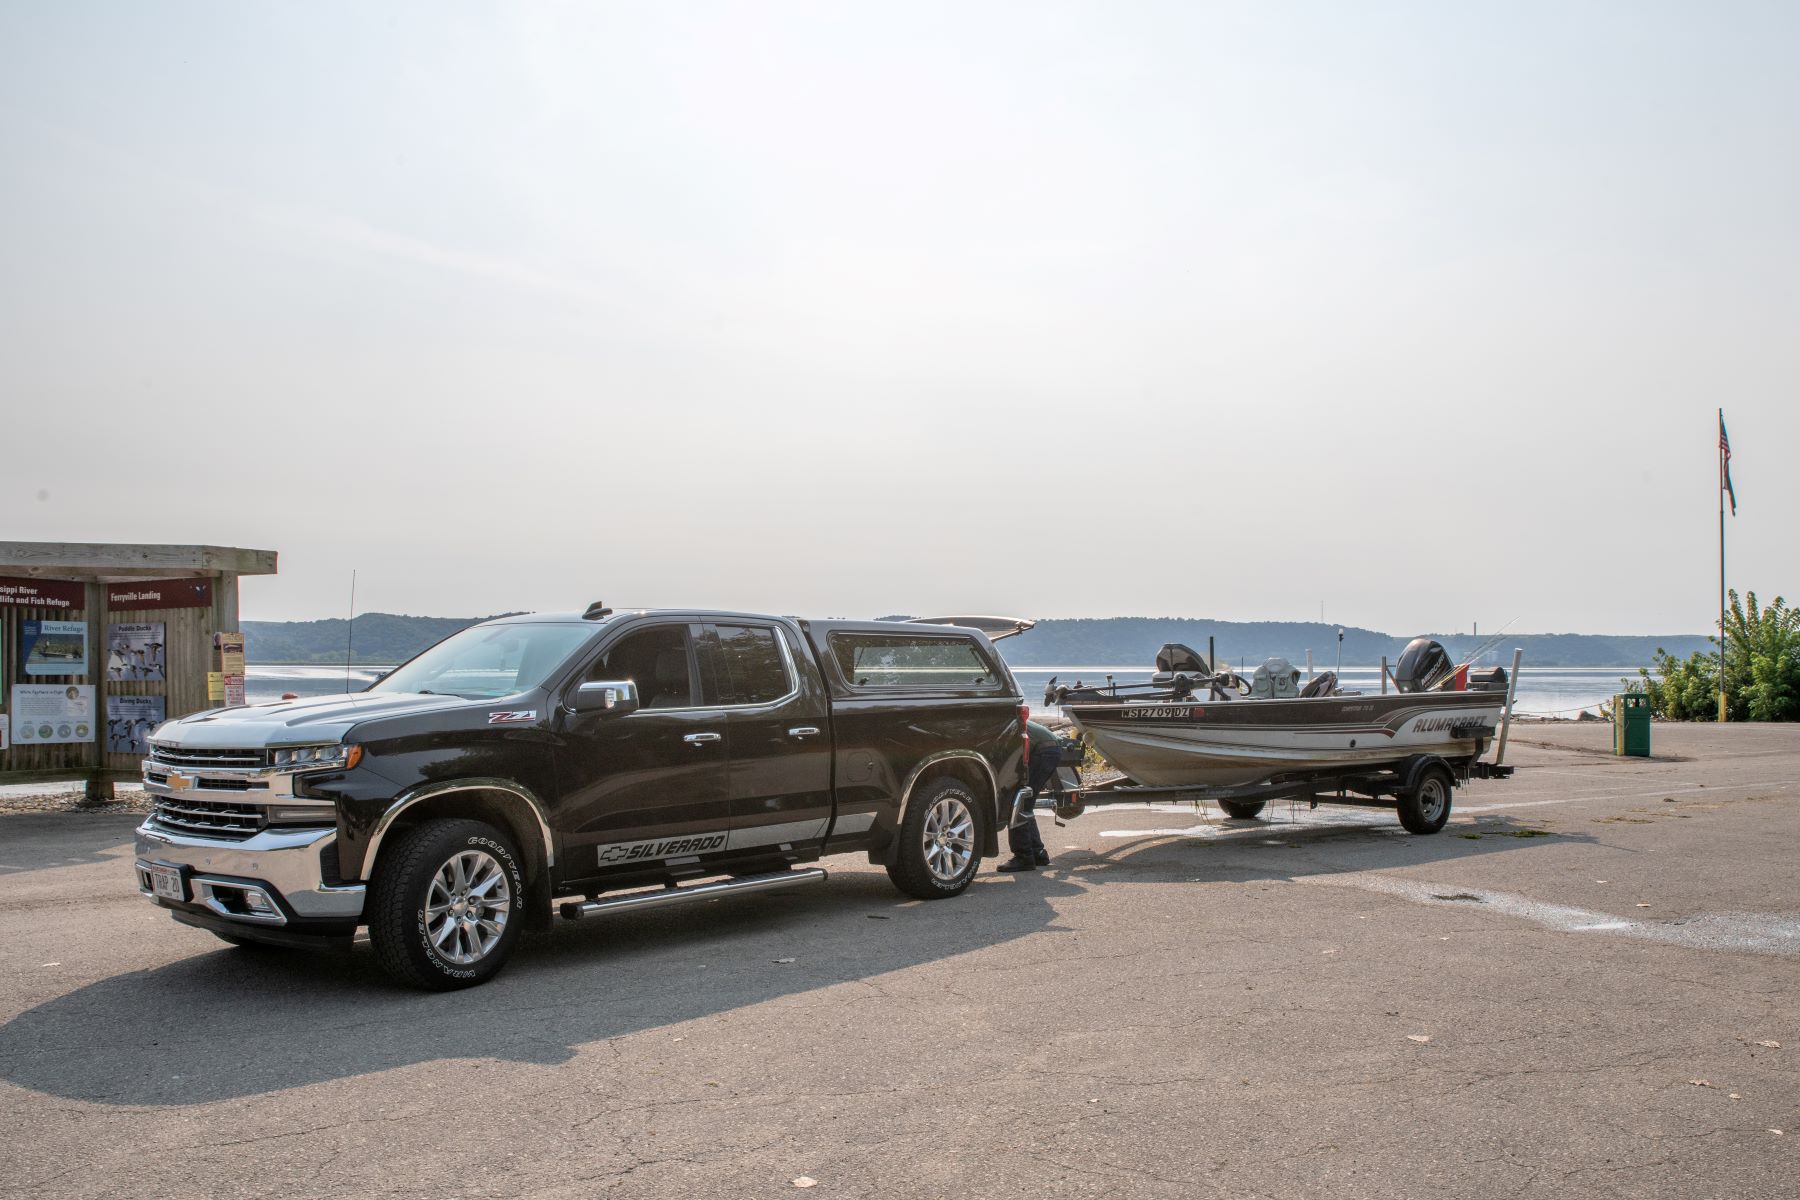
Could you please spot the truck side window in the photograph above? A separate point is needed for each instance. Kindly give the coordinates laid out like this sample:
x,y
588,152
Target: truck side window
x,y
656,659
889,661
748,665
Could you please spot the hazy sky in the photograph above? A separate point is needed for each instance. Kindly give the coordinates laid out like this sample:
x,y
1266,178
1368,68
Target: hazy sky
x,y
1418,310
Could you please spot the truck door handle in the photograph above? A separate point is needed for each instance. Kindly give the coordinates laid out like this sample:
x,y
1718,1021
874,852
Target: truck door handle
x,y
804,731
700,739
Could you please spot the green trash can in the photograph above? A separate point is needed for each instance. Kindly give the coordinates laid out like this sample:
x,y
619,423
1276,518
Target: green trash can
x,y
1631,724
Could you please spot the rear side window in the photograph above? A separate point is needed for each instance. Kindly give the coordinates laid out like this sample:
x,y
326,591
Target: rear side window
x,y
747,665
883,660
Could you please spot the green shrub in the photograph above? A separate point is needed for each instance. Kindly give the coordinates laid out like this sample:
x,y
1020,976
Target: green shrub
x,y
1762,669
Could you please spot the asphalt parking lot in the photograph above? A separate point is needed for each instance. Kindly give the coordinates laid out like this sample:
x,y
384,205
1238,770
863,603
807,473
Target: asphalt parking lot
x,y
1588,984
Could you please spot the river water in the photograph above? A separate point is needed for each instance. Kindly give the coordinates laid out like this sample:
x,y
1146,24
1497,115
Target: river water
x,y
1546,691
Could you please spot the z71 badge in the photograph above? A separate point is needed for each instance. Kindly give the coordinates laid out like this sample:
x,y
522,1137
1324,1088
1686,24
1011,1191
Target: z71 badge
x,y
517,717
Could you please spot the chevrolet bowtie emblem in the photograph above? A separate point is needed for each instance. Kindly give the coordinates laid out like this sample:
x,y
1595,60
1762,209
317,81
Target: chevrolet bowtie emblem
x,y
178,780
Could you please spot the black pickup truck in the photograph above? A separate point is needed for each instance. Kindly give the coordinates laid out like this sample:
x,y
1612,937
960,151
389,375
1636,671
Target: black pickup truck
x,y
582,763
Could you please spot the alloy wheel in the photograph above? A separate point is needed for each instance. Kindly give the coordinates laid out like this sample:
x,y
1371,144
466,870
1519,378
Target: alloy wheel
x,y
949,838
466,906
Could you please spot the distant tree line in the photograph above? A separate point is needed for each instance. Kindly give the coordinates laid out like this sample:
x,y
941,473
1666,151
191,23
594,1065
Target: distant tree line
x,y
1134,641
1088,642
380,638
1762,669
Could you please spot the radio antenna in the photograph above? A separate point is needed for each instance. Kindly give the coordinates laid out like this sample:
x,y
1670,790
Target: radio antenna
x,y
350,632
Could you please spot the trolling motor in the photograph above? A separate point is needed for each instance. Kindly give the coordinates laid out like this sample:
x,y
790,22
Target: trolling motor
x,y
1181,674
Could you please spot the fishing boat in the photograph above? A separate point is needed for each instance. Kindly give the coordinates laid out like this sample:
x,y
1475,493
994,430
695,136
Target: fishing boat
x,y
1195,726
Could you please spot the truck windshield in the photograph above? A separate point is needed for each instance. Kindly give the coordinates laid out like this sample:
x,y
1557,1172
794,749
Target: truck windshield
x,y
486,661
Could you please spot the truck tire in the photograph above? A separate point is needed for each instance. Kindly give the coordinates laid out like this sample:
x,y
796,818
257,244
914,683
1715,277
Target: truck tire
x,y
446,905
1426,805
938,852
1242,810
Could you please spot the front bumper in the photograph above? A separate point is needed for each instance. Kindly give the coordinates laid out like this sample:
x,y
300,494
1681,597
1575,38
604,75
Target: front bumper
x,y
223,879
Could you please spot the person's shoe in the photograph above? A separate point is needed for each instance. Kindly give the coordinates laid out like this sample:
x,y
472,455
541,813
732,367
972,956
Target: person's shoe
x,y
1043,858
1015,863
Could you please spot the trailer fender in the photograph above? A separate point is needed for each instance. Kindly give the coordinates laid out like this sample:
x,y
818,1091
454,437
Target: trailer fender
x,y
1412,768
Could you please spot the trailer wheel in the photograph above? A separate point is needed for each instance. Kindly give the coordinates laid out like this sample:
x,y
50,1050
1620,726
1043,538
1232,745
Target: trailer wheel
x,y
1242,810
1426,806
445,907
937,854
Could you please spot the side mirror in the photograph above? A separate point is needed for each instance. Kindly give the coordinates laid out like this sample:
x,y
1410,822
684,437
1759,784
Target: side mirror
x,y
616,697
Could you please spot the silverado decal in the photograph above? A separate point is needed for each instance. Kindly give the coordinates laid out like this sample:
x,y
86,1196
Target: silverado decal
x,y
519,716
693,843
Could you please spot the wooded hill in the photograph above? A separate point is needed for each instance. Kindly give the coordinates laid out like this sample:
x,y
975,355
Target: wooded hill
x,y
1134,641
382,639
385,638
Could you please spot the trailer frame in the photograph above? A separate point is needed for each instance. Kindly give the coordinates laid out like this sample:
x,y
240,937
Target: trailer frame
x,y
1396,785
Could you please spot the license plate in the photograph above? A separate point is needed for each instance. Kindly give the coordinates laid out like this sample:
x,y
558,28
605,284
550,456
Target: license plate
x,y
167,882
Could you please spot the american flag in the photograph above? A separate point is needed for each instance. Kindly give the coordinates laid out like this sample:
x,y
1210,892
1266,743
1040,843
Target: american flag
x,y
1725,464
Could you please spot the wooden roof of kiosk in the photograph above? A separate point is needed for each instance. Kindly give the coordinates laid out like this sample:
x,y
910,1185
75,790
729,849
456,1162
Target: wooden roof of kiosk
x,y
114,583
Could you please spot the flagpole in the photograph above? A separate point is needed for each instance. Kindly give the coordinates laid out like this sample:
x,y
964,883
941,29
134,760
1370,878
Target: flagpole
x,y
1722,566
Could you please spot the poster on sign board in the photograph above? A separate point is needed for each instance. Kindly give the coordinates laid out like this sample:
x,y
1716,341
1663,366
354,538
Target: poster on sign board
x,y
231,668
54,647
134,653
231,652
49,713
130,721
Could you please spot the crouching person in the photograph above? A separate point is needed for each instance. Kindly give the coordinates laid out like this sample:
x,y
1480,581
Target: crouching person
x,y
1023,839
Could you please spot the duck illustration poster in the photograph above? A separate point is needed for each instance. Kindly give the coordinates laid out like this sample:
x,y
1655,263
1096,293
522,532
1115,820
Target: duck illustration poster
x,y
135,652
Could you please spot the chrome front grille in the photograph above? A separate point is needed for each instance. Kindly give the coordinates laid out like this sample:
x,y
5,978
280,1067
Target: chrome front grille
x,y
208,818
238,759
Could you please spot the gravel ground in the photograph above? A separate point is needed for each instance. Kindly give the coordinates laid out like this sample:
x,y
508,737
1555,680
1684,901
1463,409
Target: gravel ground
x,y
125,801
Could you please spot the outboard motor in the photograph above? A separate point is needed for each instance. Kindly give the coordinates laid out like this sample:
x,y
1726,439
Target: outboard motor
x,y
1276,679
1423,664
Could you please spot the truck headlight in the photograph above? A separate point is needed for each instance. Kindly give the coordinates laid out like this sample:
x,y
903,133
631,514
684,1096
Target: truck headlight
x,y
313,758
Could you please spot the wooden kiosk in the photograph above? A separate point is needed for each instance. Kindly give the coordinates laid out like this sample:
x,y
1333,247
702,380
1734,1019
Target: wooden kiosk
x,y
97,640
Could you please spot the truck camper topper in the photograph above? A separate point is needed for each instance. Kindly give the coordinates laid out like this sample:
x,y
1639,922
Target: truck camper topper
x,y
995,627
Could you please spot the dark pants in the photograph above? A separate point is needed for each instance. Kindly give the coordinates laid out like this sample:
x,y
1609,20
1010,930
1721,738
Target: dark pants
x,y
1024,840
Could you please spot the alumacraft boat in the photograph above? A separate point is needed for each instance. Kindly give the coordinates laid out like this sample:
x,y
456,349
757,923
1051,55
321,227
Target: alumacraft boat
x,y
1193,726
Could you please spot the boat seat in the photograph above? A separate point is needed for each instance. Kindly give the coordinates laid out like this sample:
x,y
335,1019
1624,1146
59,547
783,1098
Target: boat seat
x,y
1322,684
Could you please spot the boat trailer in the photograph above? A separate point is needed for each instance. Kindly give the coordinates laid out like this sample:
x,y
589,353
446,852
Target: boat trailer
x,y
1419,787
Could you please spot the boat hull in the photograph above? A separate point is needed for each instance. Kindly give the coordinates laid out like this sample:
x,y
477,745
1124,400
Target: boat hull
x,y
1230,743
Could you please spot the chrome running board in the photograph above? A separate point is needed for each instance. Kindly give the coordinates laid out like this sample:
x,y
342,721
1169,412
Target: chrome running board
x,y
575,910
